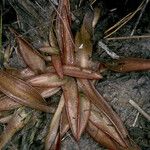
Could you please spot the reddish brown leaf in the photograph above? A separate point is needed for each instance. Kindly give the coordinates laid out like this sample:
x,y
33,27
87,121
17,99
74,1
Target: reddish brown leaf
x,y
53,128
68,70
75,71
56,60
104,139
30,55
57,143
22,92
83,41
59,21
83,114
101,103
100,136
7,103
129,64
80,73
104,124
68,43
64,34
71,97
64,124
77,107
47,80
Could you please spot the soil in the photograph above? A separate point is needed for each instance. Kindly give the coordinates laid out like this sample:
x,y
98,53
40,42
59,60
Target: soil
x,y
117,88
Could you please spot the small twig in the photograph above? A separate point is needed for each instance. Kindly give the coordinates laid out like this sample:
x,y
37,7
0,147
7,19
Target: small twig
x,y
129,37
108,51
40,6
135,120
122,22
136,106
118,23
139,18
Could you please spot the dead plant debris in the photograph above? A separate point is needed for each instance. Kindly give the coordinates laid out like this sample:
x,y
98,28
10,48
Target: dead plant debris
x,y
61,67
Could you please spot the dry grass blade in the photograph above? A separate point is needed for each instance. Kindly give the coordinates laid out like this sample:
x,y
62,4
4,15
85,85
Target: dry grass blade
x,y
22,92
53,128
129,37
20,118
139,18
122,22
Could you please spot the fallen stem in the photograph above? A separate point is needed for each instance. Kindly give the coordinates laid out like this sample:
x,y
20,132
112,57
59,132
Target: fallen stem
x,y
135,120
122,22
136,106
128,37
140,16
